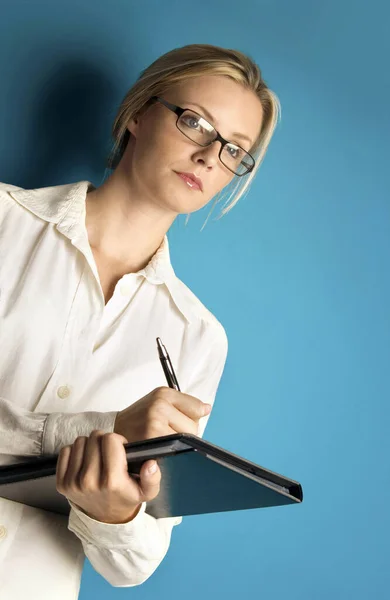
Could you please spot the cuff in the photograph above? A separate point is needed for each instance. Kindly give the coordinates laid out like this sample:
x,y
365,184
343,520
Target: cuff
x,y
61,429
106,535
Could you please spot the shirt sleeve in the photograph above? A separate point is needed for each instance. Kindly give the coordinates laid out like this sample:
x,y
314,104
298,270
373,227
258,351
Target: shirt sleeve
x,y
127,554
25,433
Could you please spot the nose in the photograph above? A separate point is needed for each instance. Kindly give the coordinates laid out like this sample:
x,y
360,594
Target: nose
x,y
208,154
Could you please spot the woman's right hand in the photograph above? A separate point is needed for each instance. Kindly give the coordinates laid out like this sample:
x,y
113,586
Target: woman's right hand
x,y
92,472
163,411
118,498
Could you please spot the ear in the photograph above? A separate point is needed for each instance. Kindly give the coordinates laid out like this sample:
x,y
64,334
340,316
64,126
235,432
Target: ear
x,y
132,125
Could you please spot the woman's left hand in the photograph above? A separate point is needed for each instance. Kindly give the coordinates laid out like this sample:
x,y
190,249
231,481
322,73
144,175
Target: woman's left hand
x,y
93,474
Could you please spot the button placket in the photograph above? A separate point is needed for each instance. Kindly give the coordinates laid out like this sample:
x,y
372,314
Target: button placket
x,y
72,366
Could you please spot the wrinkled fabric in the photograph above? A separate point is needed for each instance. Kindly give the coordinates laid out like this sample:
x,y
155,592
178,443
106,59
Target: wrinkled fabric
x,y
68,364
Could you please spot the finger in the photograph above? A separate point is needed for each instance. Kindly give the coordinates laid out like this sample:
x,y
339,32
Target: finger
x,y
181,423
62,466
161,430
115,472
149,483
92,467
114,461
75,460
190,406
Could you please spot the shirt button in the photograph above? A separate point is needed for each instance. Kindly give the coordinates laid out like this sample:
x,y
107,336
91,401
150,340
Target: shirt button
x,y
3,532
63,392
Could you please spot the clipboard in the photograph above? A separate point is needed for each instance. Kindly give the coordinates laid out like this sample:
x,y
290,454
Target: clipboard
x,y
197,478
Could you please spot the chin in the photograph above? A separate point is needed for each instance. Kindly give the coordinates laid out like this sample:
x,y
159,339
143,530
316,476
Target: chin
x,y
184,206
187,201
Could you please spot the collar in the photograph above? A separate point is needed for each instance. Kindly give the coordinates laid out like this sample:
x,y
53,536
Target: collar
x,y
64,206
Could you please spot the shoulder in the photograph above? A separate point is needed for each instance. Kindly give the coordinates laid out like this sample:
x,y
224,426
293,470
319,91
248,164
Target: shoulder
x,y
5,188
9,208
8,187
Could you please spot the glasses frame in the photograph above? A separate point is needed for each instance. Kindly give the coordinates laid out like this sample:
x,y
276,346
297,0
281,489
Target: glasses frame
x,y
178,110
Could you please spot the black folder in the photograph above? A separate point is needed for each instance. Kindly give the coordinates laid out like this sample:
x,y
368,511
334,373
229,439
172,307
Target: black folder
x,y
197,477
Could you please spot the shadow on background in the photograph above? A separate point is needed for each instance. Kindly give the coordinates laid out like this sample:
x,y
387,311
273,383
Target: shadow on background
x,y
68,126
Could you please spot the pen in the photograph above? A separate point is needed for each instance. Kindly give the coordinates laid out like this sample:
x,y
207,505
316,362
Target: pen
x,y
167,366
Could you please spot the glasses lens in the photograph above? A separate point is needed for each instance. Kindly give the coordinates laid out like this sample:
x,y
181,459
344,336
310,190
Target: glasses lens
x,y
197,129
236,159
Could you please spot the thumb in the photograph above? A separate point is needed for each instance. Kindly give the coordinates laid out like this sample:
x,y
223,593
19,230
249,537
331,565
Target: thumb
x,y
150,481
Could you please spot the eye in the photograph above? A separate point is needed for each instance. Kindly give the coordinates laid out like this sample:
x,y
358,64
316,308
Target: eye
x,y
234,152
191,121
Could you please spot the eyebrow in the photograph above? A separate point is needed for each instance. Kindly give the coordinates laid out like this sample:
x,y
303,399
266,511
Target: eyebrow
x,y
210,116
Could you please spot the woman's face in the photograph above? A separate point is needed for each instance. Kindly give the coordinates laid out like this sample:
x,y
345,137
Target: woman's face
x,y
158,151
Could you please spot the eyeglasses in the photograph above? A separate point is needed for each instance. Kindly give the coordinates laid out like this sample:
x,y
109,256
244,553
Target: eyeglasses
x,y
200,131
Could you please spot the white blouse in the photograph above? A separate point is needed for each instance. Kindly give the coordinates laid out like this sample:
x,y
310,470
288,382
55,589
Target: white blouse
x,y
68,364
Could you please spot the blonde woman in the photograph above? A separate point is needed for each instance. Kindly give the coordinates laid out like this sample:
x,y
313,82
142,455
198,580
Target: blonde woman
x,y
87,286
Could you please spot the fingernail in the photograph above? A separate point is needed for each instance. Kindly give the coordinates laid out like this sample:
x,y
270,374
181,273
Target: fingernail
x,y
153,468
207,409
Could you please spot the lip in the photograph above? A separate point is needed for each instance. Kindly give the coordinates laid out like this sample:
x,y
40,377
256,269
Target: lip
x,y
198,182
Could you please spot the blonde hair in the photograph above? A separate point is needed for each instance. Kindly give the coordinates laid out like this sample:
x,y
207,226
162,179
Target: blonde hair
x,y
190,61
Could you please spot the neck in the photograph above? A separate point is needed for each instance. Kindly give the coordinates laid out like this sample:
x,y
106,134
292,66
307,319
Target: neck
x,y
123,227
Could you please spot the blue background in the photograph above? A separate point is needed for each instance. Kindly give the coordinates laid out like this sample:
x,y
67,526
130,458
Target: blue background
x,y
298,272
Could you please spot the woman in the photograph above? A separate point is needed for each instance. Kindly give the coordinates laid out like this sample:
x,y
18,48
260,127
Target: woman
x,y
87,288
